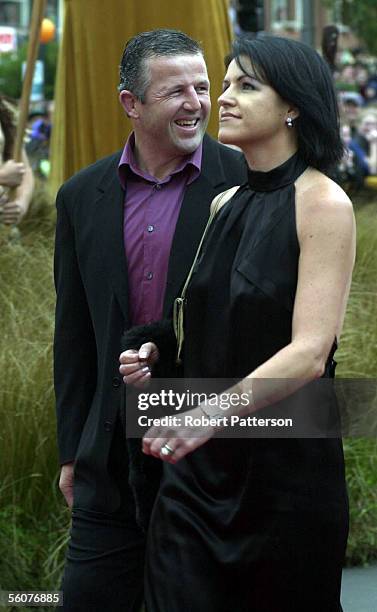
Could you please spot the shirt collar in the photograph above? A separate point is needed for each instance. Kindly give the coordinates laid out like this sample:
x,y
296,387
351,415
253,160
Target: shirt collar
x,y
127,163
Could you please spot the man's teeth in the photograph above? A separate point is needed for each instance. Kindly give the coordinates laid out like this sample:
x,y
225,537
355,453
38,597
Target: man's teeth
x,y
186,123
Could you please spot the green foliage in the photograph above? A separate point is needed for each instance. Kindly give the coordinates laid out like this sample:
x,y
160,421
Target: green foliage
x,y
361,465
33,519
11,70
360,15
357,357
50,59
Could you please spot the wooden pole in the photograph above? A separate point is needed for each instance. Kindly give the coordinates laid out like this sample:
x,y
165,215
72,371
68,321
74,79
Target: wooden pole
x,y
39,7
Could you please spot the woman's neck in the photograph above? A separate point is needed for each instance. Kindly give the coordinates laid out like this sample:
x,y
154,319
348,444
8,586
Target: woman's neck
x,y
263,156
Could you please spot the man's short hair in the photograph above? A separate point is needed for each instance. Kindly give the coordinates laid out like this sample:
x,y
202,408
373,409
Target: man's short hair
x,y
133,72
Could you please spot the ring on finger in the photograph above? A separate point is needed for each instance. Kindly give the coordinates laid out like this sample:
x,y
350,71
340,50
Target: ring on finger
x,y
166,450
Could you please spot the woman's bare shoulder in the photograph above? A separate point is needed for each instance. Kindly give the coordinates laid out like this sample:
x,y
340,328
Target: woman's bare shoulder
x,y
323,209
313,188
320,199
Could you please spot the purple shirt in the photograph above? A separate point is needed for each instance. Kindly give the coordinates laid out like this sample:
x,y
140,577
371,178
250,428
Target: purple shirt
x,y
151,209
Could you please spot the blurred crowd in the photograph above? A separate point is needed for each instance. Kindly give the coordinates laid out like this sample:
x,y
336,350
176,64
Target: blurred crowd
x,y
356,83
38,138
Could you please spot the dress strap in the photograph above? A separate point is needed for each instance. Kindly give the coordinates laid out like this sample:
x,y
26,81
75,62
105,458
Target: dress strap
x,y
179,302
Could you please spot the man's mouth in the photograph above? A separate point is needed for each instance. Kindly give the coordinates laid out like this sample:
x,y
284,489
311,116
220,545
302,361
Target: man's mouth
x,y
187,123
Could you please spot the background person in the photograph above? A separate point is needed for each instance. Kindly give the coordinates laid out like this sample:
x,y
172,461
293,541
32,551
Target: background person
x,y
127,230
12,174
38,145
353,167
366,138
350,105
260,524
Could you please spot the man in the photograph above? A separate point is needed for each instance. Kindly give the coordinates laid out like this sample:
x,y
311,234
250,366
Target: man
x,y
127,230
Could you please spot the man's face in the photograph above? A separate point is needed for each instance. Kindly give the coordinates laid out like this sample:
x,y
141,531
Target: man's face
x,y
176,108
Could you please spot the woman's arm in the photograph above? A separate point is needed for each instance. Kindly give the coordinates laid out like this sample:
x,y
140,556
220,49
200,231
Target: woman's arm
x,y
326,232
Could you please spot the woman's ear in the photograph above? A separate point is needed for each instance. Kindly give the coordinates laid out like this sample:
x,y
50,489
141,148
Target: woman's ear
x,y
293,112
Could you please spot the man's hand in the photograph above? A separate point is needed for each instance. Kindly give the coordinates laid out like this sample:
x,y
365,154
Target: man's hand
x,y
12,173
136,365
66,483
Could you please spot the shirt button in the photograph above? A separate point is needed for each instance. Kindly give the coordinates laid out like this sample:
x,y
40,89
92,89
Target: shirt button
x,y
150,228
108,425
116,382
150,275
158,186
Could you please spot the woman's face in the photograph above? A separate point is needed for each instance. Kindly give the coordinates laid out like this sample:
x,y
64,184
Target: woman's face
x,y
250,110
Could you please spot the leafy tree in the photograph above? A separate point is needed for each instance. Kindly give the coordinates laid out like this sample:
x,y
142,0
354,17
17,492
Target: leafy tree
x,y
11,70
361,16
50,59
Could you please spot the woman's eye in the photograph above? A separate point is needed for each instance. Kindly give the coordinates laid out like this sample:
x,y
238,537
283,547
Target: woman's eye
x,y
246,85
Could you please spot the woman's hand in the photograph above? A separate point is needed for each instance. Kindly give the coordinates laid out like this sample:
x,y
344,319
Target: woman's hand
x,y
172,443
136,366
12,211
12,173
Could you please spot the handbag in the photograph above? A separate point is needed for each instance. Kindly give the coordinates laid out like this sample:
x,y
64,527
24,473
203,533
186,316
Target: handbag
x,y
180,302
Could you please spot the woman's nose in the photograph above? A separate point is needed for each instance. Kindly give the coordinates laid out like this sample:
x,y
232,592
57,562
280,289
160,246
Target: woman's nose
x,y
225,99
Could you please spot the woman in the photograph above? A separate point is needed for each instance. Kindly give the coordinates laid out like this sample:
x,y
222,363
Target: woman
x,y
13,174
260,524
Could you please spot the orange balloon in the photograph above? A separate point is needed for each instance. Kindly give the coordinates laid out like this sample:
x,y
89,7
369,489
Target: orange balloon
x,y
47,31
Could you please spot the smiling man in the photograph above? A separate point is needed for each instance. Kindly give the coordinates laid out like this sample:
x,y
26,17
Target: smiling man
x,y
127,231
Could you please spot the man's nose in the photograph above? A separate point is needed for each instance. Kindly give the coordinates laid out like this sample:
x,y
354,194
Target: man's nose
x,y
192,101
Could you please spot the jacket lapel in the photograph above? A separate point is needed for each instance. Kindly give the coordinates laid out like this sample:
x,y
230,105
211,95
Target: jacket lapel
x,y
109,224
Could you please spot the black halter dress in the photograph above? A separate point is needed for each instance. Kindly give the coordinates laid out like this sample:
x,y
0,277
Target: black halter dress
x,y
245,525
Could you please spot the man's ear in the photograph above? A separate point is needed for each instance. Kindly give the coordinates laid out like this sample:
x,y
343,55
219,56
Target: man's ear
x,y
128,100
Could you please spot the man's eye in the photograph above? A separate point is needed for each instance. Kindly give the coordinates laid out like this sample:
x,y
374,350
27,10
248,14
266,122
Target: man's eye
x,y
202,89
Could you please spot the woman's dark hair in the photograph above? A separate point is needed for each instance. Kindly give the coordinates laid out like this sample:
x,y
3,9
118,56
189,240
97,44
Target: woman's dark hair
x,y
300,76
7,123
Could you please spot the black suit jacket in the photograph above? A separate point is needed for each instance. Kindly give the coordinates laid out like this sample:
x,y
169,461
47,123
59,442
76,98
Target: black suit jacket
x,y
92,305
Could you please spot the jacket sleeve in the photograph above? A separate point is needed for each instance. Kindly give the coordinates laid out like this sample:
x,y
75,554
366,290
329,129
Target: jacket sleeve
x,y
75,356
